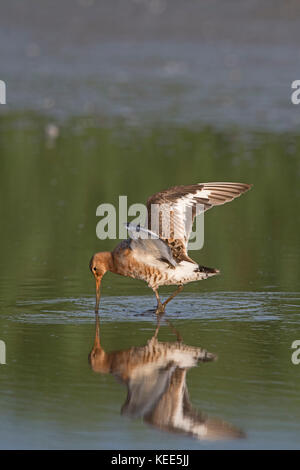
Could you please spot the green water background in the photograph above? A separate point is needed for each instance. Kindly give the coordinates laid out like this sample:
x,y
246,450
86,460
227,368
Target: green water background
x,y
50,189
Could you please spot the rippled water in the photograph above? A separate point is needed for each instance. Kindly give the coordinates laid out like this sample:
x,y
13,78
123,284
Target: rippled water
x,y
51,398
238,306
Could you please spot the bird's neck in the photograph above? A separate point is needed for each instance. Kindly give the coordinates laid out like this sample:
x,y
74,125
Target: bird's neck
x,y
107,261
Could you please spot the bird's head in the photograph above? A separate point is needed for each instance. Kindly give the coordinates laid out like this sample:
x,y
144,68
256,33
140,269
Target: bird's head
x,y
98,359
100,263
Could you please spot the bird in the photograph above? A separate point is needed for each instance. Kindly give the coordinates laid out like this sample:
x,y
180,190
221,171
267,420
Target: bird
x,y
155,378
160,257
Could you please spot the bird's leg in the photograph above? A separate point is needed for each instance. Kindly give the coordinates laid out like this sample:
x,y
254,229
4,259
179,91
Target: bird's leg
x,y
176,332
160,306
179,289
157,328
160,309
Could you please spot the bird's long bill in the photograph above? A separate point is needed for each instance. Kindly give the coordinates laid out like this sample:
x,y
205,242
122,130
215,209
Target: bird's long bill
x,y
98,284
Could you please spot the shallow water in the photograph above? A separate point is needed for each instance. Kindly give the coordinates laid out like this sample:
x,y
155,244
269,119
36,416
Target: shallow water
x,y
248,316
51,398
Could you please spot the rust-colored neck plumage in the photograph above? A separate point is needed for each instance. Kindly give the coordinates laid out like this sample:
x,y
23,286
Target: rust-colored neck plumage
x,y
98,358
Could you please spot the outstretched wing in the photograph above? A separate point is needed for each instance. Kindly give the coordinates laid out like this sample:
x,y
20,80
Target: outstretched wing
x,y
181,204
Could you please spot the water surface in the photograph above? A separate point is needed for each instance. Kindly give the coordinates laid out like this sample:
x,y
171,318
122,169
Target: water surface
x,y
248,316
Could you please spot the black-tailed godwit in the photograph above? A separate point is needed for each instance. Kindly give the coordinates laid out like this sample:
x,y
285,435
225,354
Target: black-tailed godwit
x,y
164,261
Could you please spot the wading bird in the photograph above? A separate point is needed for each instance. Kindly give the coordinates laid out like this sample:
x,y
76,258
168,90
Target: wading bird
x,y
163,260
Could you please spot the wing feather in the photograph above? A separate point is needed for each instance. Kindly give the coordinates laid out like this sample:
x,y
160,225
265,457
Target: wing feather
x,y
148,246
176,208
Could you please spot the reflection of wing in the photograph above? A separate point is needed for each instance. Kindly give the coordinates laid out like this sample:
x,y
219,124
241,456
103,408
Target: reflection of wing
x,y
177,207
174,413
145,389
150,380
155,376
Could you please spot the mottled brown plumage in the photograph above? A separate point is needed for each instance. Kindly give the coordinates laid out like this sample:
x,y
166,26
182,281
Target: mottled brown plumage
x,y
164,260
155,377
220,193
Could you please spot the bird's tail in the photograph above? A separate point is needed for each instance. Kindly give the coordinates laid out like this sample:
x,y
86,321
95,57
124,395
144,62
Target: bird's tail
x,y
207,271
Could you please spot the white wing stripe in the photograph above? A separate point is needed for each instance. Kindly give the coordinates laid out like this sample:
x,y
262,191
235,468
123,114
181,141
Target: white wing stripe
x,y
186,202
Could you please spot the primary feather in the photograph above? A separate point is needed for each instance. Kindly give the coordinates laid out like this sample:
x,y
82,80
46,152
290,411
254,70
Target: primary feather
x,y
177,207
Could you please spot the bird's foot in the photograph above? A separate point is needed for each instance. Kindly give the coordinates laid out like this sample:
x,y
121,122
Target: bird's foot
x,y
160,309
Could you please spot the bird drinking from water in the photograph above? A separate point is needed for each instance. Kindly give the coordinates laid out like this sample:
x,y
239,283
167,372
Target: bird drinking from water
x,y
162,260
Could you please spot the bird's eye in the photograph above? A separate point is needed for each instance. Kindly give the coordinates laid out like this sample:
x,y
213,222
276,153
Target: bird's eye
x,y
95,269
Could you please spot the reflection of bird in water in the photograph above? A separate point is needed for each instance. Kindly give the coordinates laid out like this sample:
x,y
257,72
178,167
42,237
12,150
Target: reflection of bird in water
x,y
159,254
155,376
